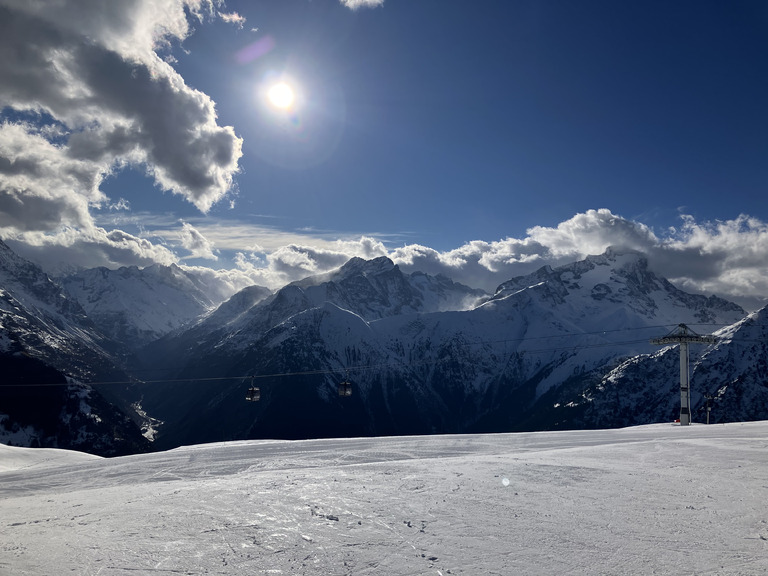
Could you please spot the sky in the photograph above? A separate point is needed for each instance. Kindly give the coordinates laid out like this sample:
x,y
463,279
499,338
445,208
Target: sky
x,y
478,140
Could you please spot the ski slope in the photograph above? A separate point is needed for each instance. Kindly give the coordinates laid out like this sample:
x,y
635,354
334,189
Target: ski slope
x,y
658,499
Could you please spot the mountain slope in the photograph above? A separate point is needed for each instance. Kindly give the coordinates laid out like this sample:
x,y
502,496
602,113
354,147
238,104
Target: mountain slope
x,y
370,289
238,339
732,373
43,321
47,347
416,370
135,306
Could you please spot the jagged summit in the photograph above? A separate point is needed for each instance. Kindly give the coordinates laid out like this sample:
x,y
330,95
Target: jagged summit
x,y
366,267
378,288
355,266
612,258
608,283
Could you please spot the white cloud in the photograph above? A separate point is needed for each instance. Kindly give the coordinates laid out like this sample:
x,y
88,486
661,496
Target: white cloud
x,y
222,284
355,4
198,245
233,18
726,257
590,233
70,249
41,186
121,205
96,97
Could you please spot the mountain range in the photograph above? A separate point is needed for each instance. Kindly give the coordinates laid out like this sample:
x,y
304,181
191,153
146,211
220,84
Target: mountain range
x,y
564,347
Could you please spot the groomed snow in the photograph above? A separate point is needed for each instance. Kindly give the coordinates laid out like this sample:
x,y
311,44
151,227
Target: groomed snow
x,y
13,458
659,499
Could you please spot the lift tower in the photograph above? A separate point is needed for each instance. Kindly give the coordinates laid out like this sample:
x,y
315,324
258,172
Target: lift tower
x,y
683,335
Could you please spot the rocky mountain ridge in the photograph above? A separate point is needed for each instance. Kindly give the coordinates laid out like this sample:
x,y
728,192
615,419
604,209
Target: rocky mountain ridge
x,y
415,370
134,306
424,354
48,350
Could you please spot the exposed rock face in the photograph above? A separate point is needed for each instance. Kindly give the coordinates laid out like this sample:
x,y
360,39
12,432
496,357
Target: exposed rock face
x,y
47,347
416,369
562,347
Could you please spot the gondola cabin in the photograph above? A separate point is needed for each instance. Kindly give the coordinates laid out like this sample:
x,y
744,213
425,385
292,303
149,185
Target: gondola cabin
x,y
253,394
345,389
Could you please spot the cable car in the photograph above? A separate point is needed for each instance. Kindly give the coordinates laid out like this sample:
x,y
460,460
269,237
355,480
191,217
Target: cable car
x,y
345,389
253,394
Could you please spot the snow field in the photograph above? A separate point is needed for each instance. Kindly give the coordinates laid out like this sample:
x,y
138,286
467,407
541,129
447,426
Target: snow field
x,y
657,499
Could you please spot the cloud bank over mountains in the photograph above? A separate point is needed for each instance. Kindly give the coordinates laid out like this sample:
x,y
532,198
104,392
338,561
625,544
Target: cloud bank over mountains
x,y
725,257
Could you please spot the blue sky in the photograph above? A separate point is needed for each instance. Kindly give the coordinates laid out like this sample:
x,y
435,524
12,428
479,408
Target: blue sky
x,y
481,140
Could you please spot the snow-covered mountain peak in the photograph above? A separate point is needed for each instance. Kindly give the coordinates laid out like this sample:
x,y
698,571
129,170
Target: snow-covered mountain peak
x,y
364,267
136,305
378,288
354,267
619,256
237,306
421,365
27,284
613,283
745,326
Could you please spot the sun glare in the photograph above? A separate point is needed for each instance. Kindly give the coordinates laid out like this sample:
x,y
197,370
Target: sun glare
x,y
281,95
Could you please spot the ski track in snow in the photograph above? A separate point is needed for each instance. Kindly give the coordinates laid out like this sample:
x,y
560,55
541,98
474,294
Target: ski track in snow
x,y
656,499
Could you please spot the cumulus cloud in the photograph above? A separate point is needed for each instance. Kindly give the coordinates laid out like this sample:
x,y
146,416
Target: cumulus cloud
x,y
41,186
198,245
725,257
89,95
590,233
294,262
355,4
221,284
233,18
71,249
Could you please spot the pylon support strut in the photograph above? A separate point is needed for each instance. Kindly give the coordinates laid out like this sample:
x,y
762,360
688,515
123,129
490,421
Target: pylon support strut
x,y
684,336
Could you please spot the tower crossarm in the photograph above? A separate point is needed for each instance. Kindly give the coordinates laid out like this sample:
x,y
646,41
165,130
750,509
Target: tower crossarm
x,y
690,339
683,335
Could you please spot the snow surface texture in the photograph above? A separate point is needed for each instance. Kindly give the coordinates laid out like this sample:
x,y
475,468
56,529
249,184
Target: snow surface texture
x,y
656,499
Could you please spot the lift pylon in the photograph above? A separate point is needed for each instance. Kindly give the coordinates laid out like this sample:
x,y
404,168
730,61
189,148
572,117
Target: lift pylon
x,y
684,336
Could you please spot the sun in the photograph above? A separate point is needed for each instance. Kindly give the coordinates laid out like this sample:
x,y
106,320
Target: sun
x,y
281,95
